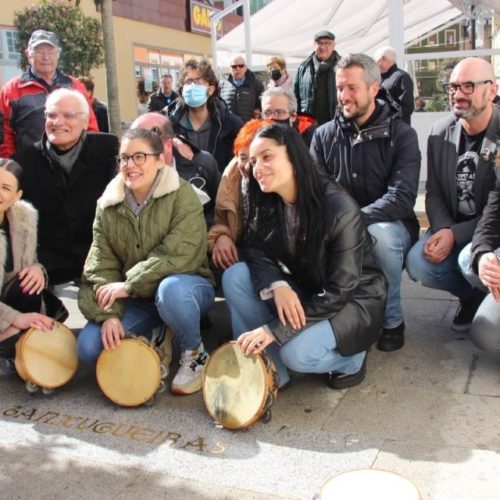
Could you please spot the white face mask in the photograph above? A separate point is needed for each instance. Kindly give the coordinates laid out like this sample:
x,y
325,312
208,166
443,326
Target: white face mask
x,y
202,196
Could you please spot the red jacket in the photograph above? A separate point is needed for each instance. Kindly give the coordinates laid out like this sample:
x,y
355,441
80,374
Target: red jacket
x,y
22,106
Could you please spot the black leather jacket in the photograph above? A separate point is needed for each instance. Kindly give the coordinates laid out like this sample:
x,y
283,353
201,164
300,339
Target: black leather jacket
x,y
348,289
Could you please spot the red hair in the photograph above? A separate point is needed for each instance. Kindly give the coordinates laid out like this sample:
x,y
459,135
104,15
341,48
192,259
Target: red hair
x,y
247,133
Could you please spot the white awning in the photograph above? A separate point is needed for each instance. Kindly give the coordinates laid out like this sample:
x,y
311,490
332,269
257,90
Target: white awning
x,y
287,27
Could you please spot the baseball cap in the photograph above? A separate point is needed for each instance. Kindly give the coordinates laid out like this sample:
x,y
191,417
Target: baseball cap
x,y
39,37
324,34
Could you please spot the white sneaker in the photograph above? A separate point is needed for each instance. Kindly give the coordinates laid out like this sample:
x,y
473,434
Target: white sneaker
x,y
188,379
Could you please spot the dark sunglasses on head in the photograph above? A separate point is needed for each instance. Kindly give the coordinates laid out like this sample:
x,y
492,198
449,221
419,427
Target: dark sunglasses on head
x,y
234,66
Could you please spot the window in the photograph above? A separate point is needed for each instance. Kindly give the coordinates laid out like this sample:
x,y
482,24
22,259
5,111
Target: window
x,y
431,65
450,37
433,40
8,51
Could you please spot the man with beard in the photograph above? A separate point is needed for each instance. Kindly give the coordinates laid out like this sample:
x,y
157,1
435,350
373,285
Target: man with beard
x,y
370,151
314,84
461,152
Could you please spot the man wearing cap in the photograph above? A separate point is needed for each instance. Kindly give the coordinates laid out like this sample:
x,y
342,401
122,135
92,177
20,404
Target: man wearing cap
x,y
314,83
22,99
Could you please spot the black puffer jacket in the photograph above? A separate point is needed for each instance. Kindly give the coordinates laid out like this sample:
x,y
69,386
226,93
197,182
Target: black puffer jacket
x,y
379,165
201,171
352,293
225,126
304,86
244,99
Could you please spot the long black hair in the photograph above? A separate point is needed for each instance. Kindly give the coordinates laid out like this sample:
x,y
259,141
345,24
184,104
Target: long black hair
x,y
266,209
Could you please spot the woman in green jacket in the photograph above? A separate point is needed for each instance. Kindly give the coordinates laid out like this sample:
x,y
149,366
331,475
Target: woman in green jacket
x,y
148,261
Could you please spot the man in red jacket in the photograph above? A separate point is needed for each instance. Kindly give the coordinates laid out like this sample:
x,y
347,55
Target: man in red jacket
x,y
22,99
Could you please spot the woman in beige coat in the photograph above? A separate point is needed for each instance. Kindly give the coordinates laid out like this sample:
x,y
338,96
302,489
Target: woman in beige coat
x,y
22,278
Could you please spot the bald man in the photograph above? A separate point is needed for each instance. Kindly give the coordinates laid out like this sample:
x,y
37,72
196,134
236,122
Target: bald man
x,y
461,153
396,81
195,166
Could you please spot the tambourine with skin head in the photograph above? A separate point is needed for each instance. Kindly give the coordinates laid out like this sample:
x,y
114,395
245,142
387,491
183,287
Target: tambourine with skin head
x,y
374,484
46,359
239,390
133,373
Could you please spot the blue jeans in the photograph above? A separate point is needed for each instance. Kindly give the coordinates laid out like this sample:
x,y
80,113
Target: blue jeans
x,y
312,351
180,301
444,275
465,265
392,242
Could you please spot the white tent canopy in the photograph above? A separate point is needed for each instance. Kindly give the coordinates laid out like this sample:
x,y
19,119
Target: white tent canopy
x,y
287,27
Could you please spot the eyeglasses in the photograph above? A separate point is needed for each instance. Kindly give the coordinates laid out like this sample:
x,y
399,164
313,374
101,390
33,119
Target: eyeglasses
x,y
138,158
466,88
67,115
198,81
277,113
237,66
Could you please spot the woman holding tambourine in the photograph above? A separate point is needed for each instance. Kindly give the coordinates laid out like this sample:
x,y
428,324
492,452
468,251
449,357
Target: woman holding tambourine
x,y
23,281
308,291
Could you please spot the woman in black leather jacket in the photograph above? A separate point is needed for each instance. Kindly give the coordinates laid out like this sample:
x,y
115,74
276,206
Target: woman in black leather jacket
x,y
309,289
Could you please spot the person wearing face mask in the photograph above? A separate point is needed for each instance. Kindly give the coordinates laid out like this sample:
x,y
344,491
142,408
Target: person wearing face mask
x,y
279,77
279,104
201,116
242,90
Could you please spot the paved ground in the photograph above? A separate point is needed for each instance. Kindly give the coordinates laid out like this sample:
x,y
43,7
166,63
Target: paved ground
x,y
428,412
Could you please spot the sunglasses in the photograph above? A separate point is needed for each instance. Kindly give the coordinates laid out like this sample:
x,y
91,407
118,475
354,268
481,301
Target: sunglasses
x,y
237,66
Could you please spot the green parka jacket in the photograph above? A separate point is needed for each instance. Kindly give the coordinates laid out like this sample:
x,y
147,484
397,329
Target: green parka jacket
x,y
168,237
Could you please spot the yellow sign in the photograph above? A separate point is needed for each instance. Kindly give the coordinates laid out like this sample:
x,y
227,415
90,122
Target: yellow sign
x,y
200,18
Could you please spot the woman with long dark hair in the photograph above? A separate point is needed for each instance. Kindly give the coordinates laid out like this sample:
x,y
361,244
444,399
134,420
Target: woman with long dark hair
x,y
309,289
22,279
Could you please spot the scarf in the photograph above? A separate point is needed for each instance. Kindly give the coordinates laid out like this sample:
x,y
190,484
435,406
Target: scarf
x,y
65,159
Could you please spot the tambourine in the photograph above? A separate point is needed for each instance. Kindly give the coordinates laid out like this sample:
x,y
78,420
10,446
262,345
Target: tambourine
x,y
373,484
239,390
46,359
131,374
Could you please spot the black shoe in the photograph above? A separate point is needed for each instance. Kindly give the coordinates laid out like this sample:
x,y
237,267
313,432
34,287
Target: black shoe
x,y
392,339
465,313
205,323
338,380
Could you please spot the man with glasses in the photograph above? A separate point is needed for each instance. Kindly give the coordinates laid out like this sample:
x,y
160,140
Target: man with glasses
x,y
65,172
461,152
314,83
242,90
22,99
201,115
279,104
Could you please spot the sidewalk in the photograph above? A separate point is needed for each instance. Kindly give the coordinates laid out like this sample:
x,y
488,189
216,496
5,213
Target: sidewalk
x,y
428,412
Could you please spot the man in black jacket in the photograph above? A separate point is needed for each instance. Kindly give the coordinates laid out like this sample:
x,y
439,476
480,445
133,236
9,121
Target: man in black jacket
x,y
314,84
370,151
64,175
460,157
201,115
397,81
163,97
195,166
242,90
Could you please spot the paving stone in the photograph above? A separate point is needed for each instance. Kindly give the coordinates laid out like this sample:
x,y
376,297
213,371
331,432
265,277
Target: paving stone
x,y
444,472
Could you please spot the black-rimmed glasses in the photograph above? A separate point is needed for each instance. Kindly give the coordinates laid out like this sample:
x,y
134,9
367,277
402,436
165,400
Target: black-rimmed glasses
x,y
237,66
138,158
466,88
